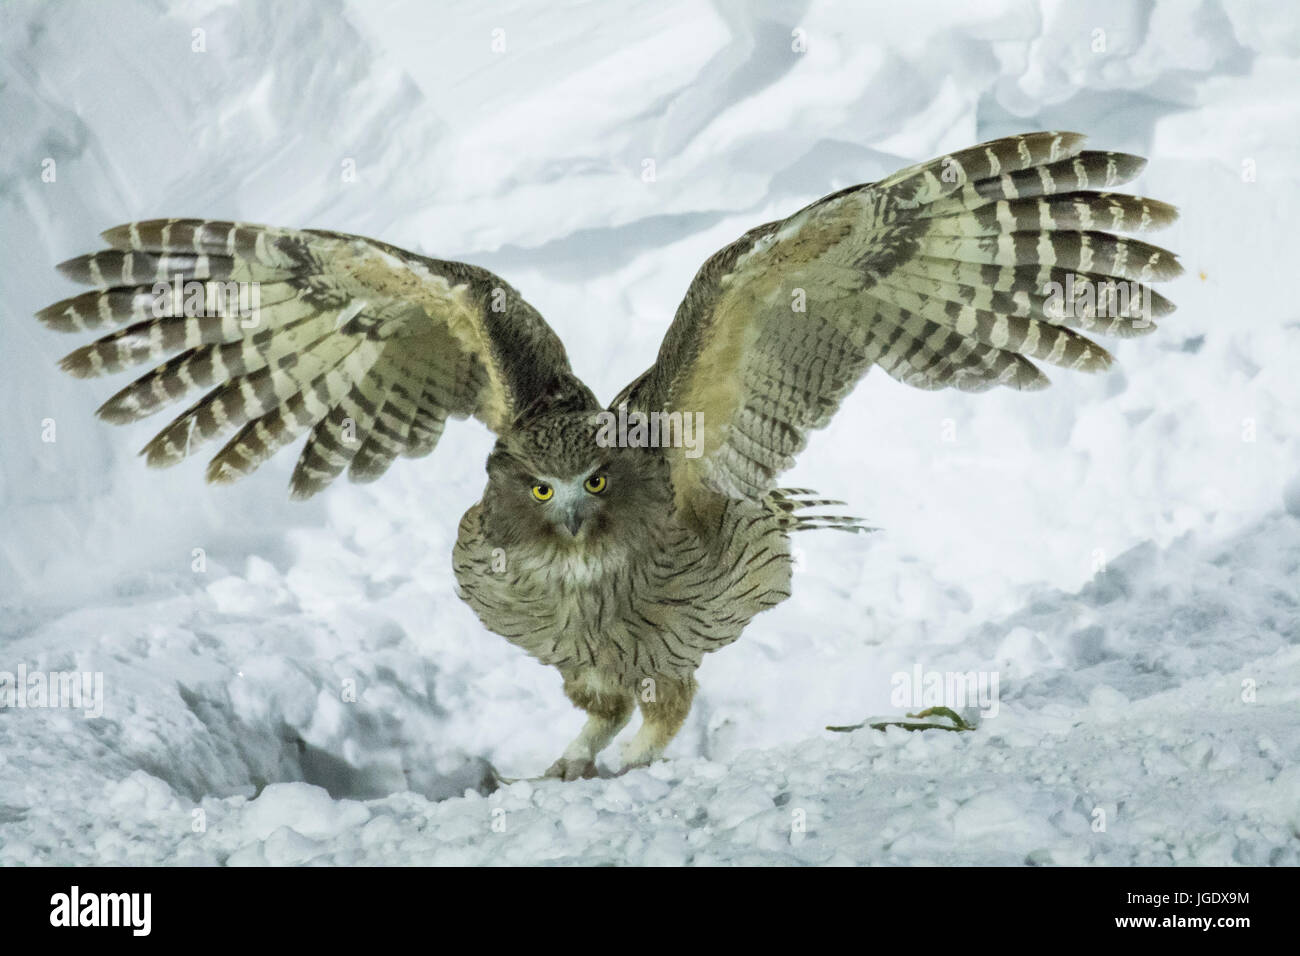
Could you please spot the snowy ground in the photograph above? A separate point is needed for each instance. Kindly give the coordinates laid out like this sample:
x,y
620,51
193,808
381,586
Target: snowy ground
x,y
1122,552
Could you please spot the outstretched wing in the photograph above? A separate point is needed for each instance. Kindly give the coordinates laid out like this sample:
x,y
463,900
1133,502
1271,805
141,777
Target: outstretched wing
x,y
956,272
369,347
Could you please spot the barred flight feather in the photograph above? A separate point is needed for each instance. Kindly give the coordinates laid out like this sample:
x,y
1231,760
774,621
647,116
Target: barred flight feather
x,y
366,347
959,272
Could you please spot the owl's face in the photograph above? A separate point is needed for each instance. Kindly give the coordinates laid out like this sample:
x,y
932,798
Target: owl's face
x,y
551,482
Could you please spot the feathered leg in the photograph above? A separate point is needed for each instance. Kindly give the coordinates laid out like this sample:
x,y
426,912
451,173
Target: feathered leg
x,y
662,716
608,711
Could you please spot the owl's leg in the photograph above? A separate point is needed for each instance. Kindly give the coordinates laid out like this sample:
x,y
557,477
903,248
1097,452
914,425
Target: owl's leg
x,y
662,715
608,711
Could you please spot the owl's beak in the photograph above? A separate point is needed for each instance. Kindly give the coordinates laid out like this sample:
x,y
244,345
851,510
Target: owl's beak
x,y
573,522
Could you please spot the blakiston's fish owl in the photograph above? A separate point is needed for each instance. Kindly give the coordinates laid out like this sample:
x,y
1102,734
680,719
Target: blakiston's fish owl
x,y
620,565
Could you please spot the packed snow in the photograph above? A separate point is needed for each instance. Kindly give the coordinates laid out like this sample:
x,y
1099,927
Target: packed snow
x,y
289,683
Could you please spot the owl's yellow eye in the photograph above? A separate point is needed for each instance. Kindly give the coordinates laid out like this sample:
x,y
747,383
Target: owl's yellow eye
x,y
543,492
595,484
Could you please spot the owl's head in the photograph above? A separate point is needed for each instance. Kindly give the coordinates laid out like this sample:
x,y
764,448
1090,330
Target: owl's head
x,y
550,480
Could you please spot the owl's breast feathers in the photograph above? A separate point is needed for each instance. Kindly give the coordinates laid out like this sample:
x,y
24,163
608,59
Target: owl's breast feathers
x,y
631,612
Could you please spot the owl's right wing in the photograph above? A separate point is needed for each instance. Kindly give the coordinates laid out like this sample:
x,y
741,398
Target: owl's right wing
x,y
368,346
955,272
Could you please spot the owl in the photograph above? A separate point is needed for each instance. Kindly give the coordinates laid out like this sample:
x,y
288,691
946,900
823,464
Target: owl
x,y
620,543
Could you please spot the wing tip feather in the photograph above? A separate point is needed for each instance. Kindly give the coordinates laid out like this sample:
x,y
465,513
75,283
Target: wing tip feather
x,y
119,237
77,363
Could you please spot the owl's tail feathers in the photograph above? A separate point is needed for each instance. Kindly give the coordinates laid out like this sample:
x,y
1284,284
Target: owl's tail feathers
x,y
790,501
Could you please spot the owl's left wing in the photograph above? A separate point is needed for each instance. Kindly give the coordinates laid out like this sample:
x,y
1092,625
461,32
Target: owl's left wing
x,y
956,272
367,347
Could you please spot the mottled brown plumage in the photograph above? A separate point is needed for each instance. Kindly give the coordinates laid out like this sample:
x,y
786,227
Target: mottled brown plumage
x,y
623,565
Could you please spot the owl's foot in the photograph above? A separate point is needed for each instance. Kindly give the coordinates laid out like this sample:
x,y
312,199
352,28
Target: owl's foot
x,y
572,768
629,767
640,751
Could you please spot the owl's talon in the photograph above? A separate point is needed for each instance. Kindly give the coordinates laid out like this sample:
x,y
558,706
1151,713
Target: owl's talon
x,y
569,769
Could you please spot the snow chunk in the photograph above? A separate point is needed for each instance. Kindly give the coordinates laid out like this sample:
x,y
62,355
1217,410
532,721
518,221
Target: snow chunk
x,y
307,809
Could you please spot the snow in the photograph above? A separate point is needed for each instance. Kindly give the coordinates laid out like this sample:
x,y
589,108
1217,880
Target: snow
x,y
297,683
